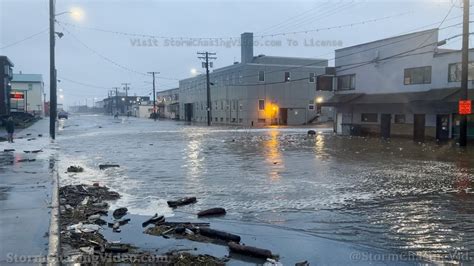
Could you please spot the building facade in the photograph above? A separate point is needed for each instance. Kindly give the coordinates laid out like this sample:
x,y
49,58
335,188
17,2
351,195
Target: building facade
x,y
6,75
123,104
401,86
258,91
27,93
168,103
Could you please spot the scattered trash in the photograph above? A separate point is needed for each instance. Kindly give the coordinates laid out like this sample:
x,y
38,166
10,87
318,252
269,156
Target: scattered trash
x,y
250,251
105,166
154,220
184,258
83,228
212,233
181,202
119,213
75,169
212,212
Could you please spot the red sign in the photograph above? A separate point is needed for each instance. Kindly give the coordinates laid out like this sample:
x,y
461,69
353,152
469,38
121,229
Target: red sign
x,y
465,107
16,95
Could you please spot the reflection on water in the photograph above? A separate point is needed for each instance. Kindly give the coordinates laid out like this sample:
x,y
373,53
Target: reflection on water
x,y
394,195
273,155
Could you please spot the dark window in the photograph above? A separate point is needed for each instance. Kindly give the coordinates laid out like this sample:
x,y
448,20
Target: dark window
x,y
324,83
399,119
261,104
417,75
311,77
369,118
261,75
287,76
454,72
346,82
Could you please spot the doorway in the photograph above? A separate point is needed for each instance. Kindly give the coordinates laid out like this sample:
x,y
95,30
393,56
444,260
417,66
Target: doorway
x,y
283,116
419,127
188,112
385,122
442,127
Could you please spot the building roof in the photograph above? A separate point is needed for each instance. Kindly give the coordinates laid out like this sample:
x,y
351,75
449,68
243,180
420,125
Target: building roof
x,y
5,58
433,95
418,33
27,78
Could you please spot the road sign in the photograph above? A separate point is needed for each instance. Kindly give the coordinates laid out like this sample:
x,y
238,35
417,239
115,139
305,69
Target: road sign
x,y
465,107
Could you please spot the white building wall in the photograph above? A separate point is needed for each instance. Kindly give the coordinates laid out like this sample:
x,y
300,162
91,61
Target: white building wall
x,y
35,95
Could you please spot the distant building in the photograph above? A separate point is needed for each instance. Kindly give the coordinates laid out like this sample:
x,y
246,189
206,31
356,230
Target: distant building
x,y
258,91
168,103
400,86
6,75
122,104
27,93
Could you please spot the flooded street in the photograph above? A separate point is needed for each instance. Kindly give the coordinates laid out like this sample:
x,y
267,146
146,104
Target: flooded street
x,y
395,197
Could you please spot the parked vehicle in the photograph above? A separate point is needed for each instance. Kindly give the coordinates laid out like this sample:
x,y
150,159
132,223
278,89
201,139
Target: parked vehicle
x,y
63,115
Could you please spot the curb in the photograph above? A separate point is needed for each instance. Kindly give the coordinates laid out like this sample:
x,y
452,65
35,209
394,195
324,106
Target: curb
x,y
54,234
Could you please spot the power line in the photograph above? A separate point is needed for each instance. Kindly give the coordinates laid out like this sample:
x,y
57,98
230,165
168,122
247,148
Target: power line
x,y
25,39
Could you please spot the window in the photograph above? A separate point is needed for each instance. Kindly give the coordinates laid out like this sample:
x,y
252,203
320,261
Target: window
x,y
346,82
222,119
399,119
261,75
324,83
30,86
261,105
417,75
454,72
369,118
222,105
240,77
311,77
240,120
287,76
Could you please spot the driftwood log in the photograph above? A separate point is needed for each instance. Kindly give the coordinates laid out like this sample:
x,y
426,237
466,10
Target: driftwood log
x,y
181,202
250,251
212,212
216,234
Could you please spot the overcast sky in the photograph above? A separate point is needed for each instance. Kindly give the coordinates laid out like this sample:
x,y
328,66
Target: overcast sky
x,y
100,48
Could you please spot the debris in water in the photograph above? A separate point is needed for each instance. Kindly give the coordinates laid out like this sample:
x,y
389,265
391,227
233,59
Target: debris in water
x,y
212,233
75,169
119,213
105,166
250,251
181,202
212,212
154,220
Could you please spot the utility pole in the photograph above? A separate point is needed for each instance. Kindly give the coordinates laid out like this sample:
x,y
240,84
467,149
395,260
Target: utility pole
x,y
154,93
116,100
52,73
126,88
464,72
205,56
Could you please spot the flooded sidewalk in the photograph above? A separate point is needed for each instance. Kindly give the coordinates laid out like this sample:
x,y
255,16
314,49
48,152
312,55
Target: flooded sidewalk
x,y
390,201
25,195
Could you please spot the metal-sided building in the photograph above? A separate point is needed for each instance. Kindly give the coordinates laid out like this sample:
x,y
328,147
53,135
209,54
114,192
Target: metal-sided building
x,y
6,75
258,91
401,86
27,93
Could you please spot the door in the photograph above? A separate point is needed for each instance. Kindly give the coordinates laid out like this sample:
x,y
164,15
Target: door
x,y
188,111
442,127
385,121
283,116
419,127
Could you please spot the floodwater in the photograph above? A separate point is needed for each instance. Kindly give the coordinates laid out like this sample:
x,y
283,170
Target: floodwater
x,y
395,198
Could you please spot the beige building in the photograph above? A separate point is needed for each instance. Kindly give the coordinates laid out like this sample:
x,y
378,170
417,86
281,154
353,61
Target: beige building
x,y
27,93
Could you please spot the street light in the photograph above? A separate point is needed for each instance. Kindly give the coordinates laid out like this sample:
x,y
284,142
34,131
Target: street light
x,y
319,100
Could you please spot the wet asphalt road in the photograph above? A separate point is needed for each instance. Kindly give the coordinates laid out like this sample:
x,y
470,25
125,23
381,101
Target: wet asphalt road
x,y
392,198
